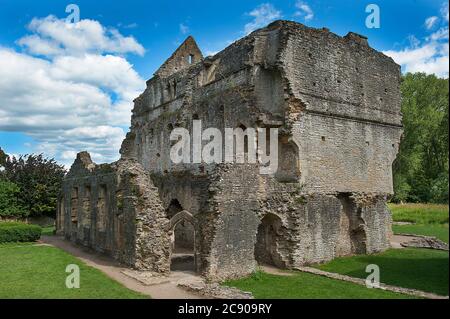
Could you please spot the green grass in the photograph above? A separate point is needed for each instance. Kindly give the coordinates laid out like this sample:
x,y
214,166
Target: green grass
x,y
421,269
306,286
428,219
420,213
48,231
28,271
436,230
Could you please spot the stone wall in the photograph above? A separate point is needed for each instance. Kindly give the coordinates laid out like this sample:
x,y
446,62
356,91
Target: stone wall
x,y
115,209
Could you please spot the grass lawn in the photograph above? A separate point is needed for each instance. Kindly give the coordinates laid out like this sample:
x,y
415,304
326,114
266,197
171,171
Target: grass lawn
x,y
420,213
436,230
428,219
28,271
306,286
48,231
421,269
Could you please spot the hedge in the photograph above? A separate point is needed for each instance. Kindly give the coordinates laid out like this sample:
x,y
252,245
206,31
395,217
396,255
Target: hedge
x,y
19,232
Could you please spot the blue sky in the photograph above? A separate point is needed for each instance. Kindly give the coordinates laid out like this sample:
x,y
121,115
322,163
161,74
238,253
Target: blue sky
x,y
47,106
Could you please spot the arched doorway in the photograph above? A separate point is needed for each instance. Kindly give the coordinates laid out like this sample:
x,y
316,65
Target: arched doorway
x,y
266,247
182,231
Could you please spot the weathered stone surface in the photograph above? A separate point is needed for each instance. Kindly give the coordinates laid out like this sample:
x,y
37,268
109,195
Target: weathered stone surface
x,y
336,104
425,242
214,290
147,278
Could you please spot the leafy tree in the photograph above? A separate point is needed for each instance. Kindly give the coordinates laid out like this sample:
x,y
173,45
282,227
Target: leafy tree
x,y
9,202
422,166
39,180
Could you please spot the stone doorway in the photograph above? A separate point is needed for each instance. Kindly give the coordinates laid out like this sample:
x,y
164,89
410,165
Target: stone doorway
x,y
266,247
182,231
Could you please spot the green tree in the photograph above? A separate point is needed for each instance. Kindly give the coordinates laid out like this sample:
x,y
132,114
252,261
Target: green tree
x,y
39,180
421,167
9,202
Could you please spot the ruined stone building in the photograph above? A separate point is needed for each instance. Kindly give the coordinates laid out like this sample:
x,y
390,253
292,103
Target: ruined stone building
x,y
336,103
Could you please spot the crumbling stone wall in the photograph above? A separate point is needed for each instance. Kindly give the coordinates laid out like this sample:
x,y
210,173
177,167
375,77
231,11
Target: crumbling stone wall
x,y
115,209
336,104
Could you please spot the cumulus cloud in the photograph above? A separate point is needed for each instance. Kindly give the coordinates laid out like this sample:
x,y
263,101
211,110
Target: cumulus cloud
x,y
304,11
430,55
262,15
52,36
432,58
71,89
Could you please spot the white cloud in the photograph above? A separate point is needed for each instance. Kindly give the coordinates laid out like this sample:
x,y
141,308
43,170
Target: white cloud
x,y
441,34
103,71
68,155
184,29
414,42
211,52
411,55
430,22
429,56
304,11
78,96
262,16
54,36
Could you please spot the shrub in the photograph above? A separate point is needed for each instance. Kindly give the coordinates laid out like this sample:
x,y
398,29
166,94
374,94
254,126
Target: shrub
x,y
19,232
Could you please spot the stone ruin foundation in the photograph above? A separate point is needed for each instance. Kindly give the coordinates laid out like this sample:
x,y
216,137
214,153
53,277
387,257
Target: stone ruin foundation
x,y
336,103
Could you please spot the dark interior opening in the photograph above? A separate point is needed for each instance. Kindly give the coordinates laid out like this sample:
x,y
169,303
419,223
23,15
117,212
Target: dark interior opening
x,y
266,248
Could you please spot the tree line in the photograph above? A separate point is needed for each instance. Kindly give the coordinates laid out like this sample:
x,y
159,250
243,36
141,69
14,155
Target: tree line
x,y
421,168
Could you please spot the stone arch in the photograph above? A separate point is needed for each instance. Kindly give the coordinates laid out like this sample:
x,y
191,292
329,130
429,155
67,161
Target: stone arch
x,y
246,142
183,215
268,239
182,227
